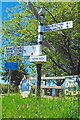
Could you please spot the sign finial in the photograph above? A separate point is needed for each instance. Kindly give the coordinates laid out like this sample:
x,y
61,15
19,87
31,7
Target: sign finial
x,y
41,12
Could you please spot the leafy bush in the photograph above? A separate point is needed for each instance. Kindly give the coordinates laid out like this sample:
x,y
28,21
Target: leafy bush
x,y
4,89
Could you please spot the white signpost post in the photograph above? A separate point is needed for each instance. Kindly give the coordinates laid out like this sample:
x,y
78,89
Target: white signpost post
x,y
39,15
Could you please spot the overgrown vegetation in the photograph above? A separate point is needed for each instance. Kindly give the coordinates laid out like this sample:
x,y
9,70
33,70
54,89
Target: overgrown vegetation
x,y
5,88
17,107
62,47
0,107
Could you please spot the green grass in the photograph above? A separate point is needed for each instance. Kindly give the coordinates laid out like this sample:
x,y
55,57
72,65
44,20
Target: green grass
x,y
17,107
0,107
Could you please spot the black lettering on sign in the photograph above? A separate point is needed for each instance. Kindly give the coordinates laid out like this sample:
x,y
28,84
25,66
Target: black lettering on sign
x,y
35,58
67,24
41,58
61,26
47,28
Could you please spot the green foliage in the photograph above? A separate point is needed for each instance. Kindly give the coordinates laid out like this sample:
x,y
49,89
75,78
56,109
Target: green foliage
x,y
0,107
4,89
62,47
31,107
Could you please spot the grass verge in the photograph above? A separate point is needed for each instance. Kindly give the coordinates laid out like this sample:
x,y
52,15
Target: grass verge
x,y
16,107
0,107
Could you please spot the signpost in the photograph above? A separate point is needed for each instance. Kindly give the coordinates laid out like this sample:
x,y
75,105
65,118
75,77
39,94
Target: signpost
x,y
41,29
39,65
39,15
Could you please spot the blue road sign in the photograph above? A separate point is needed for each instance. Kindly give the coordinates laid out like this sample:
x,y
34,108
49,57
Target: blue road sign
x,y
11,66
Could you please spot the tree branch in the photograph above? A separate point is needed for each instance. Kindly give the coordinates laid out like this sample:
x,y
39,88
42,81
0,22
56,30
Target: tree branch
x,y
48,45
57,64
67,45
50,14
